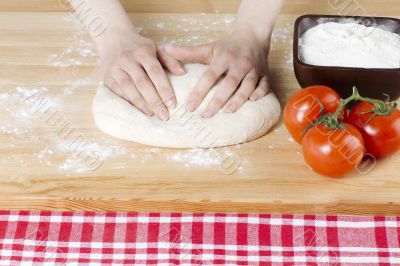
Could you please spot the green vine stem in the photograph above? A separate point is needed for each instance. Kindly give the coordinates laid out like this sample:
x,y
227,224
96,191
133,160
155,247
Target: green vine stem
x,y
333,122
381,107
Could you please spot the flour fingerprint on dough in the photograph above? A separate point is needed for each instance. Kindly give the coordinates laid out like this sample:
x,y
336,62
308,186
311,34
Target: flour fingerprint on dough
x,y
184,129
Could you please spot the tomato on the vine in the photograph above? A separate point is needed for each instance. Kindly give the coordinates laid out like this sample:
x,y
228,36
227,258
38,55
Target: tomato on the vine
x,y
303,108
381,133
333,152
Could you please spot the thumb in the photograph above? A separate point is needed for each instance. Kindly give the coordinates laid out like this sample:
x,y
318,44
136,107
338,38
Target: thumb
x,y
195,54
170,63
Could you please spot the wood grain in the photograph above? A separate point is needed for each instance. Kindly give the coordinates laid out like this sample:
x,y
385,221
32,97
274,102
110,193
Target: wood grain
x,y
36,36
343,7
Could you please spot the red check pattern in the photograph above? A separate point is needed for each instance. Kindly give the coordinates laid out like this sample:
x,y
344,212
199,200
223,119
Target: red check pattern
x,y
88,238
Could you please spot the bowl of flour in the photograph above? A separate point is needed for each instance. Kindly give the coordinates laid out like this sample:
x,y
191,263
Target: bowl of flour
x,y
342,52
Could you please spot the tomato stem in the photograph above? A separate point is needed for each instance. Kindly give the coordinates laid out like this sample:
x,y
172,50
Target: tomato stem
x,y
355,96
332,121
381,107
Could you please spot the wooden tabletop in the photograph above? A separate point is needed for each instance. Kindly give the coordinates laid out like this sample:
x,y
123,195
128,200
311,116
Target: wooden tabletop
x,y
49,75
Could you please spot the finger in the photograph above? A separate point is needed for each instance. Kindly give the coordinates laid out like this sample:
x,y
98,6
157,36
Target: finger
x,y
113,85
229,85
196,54
170,63
210,76
261,90
242,95
158,77
131,94
148,91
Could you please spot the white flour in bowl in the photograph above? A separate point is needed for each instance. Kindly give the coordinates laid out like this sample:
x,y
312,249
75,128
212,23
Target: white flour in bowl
x,y
350,45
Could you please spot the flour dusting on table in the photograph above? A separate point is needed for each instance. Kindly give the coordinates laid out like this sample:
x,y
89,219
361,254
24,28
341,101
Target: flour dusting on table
x,y
53,151
282,34
200,157
81,51
27,129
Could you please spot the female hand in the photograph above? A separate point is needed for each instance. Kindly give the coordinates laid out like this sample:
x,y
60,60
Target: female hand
x,y
242,57
132,67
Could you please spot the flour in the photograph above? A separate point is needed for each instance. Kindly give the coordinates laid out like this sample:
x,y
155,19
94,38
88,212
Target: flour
x,y
104,151
350,45
161,25
225,159
81,49
200,157
59,155
195,29
282,34
29,142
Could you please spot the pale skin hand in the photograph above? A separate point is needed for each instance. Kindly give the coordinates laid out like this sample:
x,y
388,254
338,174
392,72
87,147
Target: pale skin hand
x,y
135,72
132,65
241,56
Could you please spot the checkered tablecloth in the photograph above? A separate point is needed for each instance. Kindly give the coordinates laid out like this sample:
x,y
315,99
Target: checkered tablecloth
x,y
88,238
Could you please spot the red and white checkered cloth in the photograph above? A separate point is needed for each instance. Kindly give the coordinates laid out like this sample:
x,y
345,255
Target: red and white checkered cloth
x,y
88,238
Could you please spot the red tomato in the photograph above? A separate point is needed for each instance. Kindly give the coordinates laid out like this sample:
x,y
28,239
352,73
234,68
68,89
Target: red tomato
x,y
333,153
381,134
302,108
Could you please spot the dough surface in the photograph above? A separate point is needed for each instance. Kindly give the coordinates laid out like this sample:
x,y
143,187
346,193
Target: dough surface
x,y
118,118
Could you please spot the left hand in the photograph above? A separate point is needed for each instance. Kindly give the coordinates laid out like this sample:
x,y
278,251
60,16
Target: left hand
x,y
241,57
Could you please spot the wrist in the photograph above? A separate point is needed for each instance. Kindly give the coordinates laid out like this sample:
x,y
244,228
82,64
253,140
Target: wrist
x,y
258,17
116,38
261,38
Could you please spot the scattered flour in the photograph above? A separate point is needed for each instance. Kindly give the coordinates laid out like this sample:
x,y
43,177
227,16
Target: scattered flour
x,y
350,45
69,157
196,157
282,39
194,29
224,158
103,152
27,108
282,34
81,49
288,59
161,25
24,124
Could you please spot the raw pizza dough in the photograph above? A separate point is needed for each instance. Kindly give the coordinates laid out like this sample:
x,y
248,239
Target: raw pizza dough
x,y
118,118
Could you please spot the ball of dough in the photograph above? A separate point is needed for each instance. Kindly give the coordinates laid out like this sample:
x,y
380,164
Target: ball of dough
x,y
118,118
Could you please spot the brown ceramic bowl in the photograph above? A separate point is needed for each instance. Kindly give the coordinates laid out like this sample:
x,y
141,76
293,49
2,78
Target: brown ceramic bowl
x,y
373,83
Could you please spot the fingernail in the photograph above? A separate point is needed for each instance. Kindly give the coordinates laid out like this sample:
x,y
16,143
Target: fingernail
x,y
171,103
207,114
163,114
147,111
253,97
191,106
231,108
180,71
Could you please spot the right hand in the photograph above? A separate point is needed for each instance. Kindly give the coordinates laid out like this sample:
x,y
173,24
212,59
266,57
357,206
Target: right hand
x,y
132,67
241,57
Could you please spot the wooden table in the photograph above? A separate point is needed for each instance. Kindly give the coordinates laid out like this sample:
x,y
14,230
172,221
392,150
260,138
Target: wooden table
x,y
47,60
